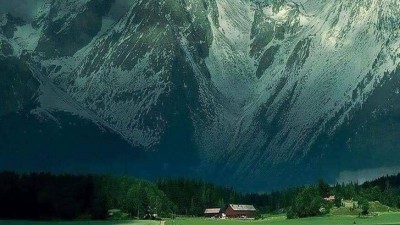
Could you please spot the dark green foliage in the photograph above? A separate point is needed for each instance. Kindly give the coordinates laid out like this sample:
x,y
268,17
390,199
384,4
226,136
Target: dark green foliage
x,y
290,213
133,196
308,202
192,196
364,204
324,188
46,196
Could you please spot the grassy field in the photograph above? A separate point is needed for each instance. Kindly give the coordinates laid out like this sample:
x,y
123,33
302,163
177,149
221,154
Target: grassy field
x,y
384,219
136,222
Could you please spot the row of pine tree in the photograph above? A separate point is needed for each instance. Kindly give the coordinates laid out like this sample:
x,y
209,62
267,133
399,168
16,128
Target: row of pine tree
x,y
49,196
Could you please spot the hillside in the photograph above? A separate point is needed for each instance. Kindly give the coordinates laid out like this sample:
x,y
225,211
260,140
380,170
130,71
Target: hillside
x,y
259,94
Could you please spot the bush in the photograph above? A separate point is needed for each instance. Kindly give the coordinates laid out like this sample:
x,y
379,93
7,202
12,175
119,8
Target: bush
x,y
308,203
364,204
290,214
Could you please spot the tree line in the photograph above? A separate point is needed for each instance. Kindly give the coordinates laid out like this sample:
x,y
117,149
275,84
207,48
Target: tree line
x,y
193,196
48,196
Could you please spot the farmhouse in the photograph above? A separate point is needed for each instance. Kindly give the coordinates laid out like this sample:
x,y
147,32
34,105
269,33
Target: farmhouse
x,y
330,198
240,211
214,212
349,203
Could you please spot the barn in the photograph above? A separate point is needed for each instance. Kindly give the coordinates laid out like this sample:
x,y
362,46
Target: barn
x,y
240,211
213,212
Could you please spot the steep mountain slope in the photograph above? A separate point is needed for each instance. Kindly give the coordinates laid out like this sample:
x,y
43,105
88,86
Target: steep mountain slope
x,y
18,89
41,127
37,133
242,92
320,65
67,26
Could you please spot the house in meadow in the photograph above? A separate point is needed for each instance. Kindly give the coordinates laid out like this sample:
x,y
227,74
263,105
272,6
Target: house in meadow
x,y
213,213
330,198
240,211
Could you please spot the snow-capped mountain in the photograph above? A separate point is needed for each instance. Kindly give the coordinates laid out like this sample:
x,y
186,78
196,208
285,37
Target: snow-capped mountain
x,y
246,92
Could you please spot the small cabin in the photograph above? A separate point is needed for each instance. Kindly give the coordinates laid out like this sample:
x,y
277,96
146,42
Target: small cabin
x,y
114,212
330,198
213,212
240,211
349,203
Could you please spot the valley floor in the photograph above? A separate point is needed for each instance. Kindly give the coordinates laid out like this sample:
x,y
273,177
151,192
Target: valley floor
x,y
135,222
383,219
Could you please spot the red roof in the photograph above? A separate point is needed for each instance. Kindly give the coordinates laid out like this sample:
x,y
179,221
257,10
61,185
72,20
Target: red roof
x,y
237,207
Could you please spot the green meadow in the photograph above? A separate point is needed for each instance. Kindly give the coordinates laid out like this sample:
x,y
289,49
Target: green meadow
x,y
133,222
383,219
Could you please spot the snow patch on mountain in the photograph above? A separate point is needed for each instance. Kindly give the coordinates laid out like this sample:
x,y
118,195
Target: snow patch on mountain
x,y
229,63
26,38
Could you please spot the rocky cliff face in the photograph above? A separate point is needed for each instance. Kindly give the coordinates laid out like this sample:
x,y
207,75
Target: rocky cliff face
x,y
237,91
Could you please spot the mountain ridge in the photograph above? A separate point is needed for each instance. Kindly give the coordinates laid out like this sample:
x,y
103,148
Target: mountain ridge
x,y
253,89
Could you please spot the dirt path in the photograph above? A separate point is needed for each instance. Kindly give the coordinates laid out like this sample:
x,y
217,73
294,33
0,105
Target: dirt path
x,y
162,222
